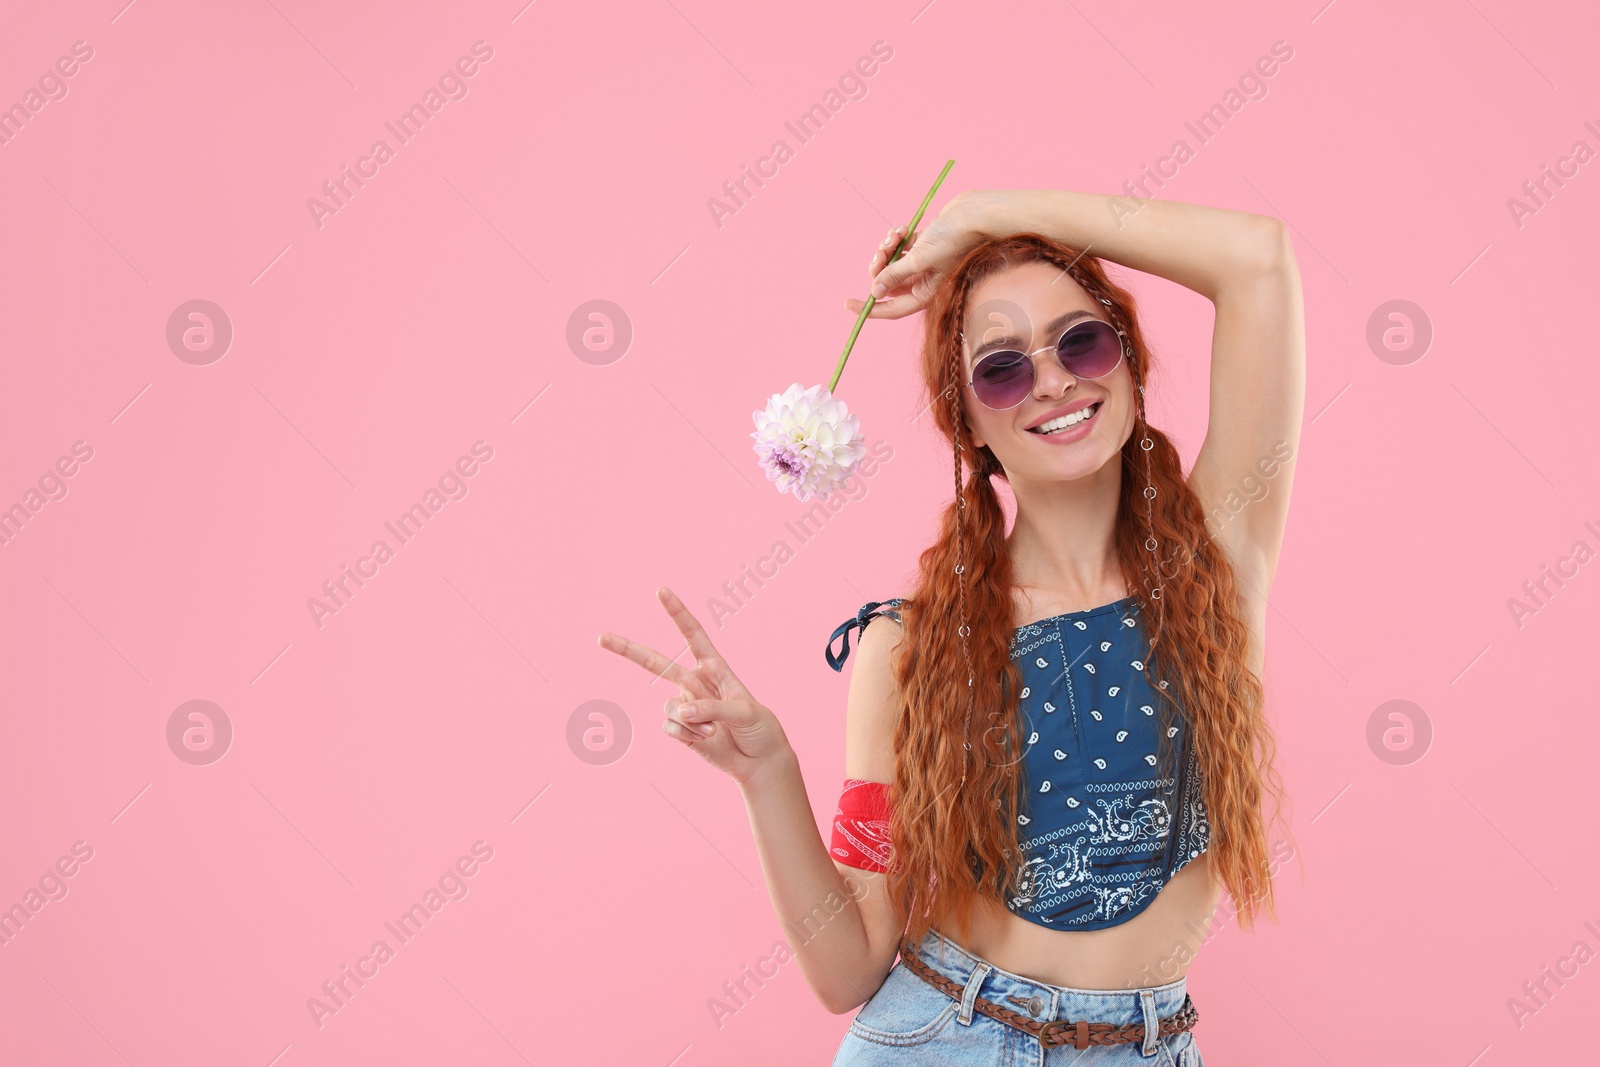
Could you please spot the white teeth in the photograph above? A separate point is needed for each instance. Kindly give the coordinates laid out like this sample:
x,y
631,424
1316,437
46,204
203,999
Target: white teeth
x,y
1055,425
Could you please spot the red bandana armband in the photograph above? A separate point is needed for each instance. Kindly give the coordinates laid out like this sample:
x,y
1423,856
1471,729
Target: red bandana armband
x,y
861,826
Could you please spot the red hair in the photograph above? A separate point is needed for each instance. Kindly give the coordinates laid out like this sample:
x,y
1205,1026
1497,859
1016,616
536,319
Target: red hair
x,y
954,828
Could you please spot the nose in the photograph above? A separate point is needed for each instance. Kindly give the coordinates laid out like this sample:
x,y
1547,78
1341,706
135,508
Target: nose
x,y
1050,378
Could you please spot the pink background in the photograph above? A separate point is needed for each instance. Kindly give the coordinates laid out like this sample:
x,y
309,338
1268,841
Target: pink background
x,y
432,711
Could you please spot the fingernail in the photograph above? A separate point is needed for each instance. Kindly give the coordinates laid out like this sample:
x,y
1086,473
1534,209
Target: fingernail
x,y
704,728
878,289
686,711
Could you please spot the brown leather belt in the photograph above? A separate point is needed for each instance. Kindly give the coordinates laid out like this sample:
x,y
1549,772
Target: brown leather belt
x,y
1079,1034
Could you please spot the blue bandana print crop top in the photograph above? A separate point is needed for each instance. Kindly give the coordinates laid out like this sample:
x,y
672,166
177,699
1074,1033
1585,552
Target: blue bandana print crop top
x,y
1101,830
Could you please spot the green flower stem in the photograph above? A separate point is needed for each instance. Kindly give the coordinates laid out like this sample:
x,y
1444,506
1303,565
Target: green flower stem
x,y
866,308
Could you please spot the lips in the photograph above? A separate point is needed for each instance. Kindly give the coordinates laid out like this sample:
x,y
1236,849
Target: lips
x,y
1093,407
1056,413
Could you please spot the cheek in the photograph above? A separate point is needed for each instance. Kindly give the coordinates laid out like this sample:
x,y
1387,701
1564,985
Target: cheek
x,y
1127,423
1125,391
988,425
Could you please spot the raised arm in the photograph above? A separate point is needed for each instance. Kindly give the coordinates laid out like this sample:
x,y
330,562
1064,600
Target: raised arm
x,y
1242,262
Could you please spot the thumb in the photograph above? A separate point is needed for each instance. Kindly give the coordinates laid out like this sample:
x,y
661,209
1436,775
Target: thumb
x,y
705,709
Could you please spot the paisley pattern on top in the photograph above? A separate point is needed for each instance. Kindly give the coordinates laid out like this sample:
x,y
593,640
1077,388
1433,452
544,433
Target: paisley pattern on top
x,y
1102,829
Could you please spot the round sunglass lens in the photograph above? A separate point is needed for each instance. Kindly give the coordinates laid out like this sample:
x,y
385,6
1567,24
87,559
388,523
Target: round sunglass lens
x,y
1003,379
1090,349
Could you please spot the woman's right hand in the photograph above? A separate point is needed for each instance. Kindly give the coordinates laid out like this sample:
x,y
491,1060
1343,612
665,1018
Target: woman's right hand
x,y
910,280
730,729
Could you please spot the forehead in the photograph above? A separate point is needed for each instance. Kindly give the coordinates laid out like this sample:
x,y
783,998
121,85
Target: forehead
x,y
1019,305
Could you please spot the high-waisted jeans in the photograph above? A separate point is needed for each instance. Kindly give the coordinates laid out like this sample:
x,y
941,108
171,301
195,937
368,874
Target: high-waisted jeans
x,y
908,1021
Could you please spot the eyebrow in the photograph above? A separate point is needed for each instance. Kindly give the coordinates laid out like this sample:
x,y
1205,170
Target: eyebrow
x,y
1016,342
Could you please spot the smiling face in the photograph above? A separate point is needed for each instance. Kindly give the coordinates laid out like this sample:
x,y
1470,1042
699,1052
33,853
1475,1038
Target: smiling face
x,y
1026,308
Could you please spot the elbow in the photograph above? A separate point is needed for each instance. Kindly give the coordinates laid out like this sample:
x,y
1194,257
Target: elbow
x,y
1271,249
841,1005
846,997
1260,250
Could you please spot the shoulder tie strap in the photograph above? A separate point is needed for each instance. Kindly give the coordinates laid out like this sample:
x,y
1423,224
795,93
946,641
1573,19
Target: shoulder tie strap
x,y
868,612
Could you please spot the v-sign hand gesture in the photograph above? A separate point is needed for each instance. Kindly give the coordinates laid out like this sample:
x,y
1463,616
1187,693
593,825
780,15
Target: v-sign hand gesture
x,y
733,731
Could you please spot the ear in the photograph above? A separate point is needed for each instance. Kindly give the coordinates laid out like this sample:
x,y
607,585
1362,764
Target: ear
x,y
972,427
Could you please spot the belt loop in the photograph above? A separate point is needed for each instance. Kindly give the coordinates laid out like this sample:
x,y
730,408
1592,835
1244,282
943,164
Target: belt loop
x,y
1152,1022
970,994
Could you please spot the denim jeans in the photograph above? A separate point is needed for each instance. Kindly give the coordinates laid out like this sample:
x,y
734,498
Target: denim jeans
x,y
908,1021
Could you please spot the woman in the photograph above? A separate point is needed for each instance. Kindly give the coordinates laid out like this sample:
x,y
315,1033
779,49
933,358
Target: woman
x,y
1056,751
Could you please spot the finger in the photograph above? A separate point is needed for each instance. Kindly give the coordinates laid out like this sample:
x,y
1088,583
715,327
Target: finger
x,y
881,255
676,712
894,307
895,239
699,642
878,276
890,308
896,275
678,732
702,711
649,659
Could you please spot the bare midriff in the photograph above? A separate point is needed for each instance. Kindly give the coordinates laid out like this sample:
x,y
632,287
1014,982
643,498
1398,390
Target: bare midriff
x,y
1151,949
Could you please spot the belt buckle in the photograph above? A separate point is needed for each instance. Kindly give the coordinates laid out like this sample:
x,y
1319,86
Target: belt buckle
x,y
1080,1039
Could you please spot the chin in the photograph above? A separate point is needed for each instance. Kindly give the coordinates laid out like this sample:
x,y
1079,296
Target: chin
x,y
1078,460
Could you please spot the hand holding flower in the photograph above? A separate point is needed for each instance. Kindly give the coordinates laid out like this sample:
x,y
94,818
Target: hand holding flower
x,y
807,440
904,282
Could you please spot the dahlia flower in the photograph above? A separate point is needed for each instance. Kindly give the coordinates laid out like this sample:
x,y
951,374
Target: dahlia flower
x,y
807,441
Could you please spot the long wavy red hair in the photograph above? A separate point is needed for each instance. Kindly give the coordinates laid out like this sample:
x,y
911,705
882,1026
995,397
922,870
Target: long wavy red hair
x,y
954,829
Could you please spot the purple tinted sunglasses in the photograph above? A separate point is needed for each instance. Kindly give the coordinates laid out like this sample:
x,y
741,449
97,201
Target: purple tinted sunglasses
x,y
1090,348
